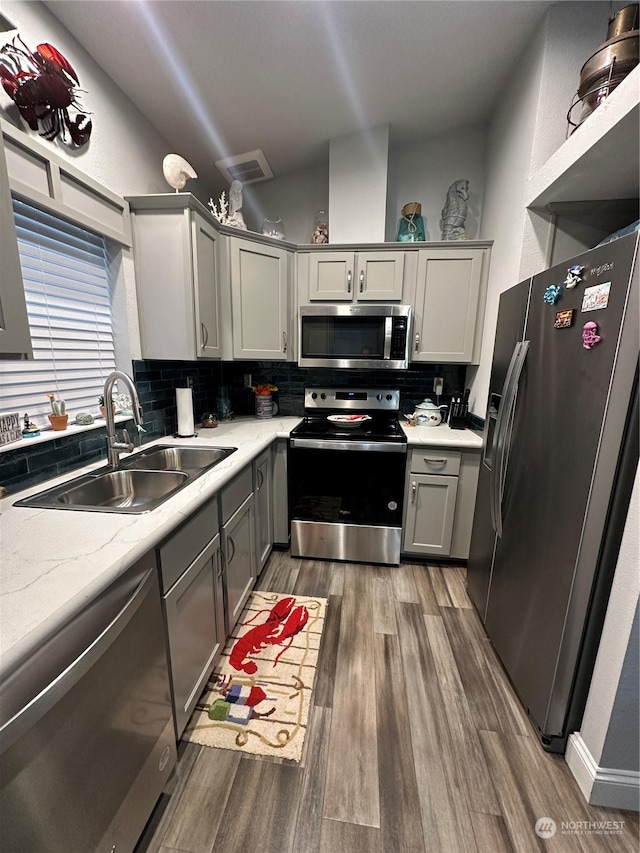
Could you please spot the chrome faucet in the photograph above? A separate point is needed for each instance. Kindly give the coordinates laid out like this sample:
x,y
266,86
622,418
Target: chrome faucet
x,y
115,447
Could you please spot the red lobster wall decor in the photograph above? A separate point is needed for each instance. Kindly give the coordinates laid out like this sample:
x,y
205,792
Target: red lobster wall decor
x,y
42,85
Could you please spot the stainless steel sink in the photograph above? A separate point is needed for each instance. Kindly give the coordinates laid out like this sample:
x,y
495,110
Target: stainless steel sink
x,y
174,458
143,482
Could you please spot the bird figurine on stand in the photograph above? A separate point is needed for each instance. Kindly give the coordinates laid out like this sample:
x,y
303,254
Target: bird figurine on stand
x,y
177,171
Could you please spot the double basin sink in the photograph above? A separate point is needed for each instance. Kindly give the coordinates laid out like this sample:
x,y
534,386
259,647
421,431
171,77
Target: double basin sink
x,y
141,483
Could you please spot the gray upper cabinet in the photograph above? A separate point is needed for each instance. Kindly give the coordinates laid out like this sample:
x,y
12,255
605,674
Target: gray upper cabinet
x,y
356,276
260,288
449,304
15,336
177,278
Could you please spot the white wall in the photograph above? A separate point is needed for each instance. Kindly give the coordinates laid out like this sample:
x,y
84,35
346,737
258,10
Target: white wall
x,y
424,170
294,197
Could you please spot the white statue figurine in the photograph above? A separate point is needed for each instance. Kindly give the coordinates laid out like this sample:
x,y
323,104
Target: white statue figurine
x,y
236,219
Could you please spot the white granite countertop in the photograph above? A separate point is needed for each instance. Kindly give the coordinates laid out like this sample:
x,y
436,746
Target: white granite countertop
x,y
55,561
443,436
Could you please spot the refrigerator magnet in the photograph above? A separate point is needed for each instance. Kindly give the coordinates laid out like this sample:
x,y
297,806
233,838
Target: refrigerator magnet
x,y
564,319
574,276
590,336
596,297
552,294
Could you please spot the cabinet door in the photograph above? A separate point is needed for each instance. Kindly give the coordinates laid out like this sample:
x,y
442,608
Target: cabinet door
x,y
15,335
205,282
262,488
239,554
280,493
331,276
380,276
431,506
195,635
446,304
259,300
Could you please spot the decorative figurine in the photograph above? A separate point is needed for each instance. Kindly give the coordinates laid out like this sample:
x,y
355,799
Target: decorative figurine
x,y
236,219
574,276
552,294
320,233
30,430
177,171
42,84
454,212
590,336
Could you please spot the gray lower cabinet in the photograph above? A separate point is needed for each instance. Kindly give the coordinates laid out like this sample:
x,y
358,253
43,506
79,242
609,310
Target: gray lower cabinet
x,y
263,492
440,498
238,543
430,513
191,578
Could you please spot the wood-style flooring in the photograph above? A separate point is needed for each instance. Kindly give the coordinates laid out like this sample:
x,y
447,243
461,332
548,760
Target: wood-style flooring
x,y
416,742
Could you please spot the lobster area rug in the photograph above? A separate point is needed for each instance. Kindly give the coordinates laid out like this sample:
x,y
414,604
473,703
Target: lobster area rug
x,y
257,699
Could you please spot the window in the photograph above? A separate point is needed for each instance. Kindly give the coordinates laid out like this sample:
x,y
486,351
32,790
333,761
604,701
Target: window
x,y
68,295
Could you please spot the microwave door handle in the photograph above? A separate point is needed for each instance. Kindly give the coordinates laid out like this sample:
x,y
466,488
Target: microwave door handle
x,y
388,329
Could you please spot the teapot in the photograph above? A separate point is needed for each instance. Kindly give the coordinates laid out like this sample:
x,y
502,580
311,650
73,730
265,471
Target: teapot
x,y
428,414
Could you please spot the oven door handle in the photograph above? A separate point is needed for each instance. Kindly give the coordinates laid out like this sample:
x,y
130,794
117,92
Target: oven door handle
x,y
333,444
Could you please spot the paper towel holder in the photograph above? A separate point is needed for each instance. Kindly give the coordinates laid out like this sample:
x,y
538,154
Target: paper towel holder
x,y
184,411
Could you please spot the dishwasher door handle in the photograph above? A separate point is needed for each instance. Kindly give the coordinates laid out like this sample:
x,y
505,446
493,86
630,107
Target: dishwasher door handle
x,y
34,710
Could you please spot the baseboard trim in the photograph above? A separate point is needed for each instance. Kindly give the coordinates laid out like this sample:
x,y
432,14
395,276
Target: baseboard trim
x,y
602,786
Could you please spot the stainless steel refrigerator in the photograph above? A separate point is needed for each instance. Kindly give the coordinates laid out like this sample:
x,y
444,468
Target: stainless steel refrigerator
x,y
559,460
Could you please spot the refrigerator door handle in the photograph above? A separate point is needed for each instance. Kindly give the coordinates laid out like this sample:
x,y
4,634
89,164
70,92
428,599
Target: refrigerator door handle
x,y
509,405
496,444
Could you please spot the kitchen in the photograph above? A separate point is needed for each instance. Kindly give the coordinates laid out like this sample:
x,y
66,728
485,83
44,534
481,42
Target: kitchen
x,y
502,213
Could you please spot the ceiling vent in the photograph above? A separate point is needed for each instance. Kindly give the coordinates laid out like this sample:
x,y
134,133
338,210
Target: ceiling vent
x,y
247,168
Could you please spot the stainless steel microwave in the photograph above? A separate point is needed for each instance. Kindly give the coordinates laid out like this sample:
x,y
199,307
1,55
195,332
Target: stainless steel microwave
x,y
371,336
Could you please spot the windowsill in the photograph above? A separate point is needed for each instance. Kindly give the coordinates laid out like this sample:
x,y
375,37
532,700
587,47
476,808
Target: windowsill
x,y
50,434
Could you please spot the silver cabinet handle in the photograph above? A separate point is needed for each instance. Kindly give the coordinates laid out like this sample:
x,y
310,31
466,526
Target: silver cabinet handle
x,y
413,492
361,281
417,341
205,335
284,342
428,460
349,282
260,478
233,551
220,564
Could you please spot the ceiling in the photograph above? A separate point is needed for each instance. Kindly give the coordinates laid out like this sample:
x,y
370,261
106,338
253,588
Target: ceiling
x,y
286,76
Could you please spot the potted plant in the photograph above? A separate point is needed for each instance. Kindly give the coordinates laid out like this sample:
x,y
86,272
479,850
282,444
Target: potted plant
x,y
103,411
59,417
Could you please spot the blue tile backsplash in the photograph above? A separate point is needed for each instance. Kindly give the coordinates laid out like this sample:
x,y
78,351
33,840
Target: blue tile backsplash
x,y
156,382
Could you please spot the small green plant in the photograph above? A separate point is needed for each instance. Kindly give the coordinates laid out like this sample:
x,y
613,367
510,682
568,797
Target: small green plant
x,y
58,407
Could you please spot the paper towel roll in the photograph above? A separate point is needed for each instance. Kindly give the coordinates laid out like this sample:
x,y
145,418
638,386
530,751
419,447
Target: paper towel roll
x,y
184,405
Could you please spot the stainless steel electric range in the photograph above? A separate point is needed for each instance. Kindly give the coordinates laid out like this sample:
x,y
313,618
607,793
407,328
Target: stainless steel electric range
x,y
346,476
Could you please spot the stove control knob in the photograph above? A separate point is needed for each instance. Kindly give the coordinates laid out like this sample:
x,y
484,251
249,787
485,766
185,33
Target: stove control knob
x,y
323,396
378,396
314,396
389,397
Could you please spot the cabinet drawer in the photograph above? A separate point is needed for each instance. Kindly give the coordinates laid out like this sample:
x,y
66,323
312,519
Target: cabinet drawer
x,y
181,549
236,493
432,460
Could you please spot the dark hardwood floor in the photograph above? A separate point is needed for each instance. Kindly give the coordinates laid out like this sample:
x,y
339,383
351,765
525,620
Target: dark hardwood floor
x,y
416,742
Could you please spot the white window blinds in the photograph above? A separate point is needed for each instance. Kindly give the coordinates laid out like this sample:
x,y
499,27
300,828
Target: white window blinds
x,y
68,295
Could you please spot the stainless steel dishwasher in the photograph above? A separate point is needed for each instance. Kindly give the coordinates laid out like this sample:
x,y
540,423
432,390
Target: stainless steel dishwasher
x,y
86,728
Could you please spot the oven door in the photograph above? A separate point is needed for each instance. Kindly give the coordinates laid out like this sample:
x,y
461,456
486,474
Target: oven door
x,y
345,500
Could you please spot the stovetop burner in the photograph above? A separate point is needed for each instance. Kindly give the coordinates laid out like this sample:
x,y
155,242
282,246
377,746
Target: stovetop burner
x,y
382,406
